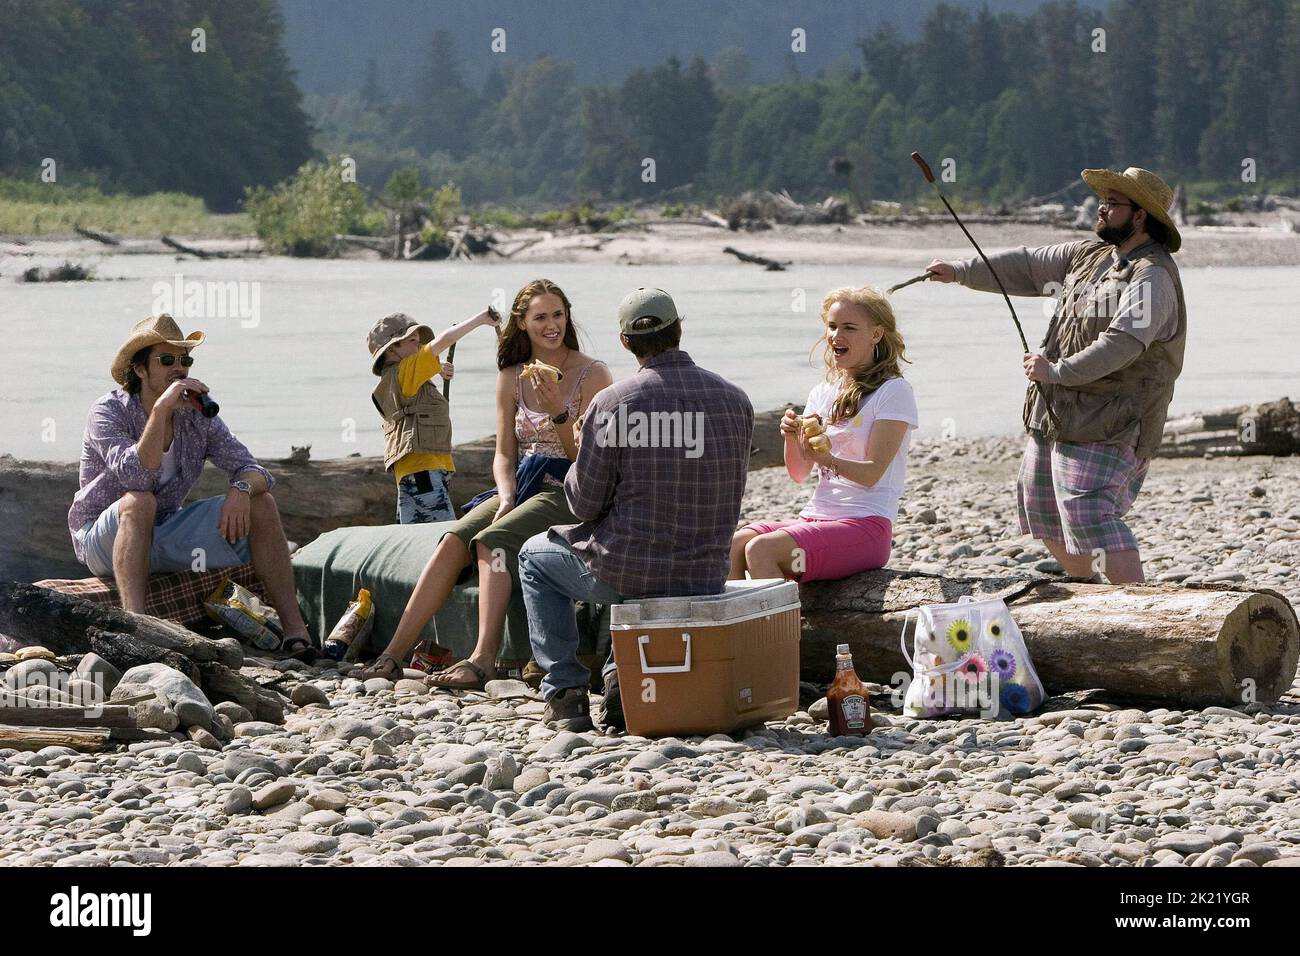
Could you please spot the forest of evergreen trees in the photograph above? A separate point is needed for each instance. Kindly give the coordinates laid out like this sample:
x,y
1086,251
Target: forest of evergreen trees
x,y
1190,88
116,94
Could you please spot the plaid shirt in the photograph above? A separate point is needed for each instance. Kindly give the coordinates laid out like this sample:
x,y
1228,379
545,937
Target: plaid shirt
x,y
658,521
110,459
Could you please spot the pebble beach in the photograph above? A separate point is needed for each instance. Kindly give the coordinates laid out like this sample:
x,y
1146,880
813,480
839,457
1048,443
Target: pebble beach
x,y
391,774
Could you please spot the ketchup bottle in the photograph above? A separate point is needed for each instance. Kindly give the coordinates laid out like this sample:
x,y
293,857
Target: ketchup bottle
x,y
847,701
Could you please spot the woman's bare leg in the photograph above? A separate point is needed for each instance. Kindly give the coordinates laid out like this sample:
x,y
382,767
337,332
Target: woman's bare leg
x,y
738,542
436,581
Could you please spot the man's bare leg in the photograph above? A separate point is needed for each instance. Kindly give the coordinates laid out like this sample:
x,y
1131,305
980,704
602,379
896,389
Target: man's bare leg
x,y
270,555
1120,567
131,547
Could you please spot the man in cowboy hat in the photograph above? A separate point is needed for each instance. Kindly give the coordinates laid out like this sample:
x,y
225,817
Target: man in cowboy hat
x,y
1107,366
144,447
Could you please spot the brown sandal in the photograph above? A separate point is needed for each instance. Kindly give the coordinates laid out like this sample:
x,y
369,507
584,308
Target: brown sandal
x,y
385,665
443,681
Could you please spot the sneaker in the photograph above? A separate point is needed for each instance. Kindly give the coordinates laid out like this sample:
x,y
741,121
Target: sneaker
x,y
568,710
609,715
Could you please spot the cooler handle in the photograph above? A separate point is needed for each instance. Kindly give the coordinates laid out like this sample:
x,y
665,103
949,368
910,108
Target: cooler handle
x,y
683,668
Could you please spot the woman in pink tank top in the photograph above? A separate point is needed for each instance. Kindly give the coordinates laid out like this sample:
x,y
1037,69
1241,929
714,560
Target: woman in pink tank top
x,y
534,447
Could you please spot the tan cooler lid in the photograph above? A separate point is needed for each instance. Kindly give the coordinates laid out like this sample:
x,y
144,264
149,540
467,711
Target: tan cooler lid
x,y
741,599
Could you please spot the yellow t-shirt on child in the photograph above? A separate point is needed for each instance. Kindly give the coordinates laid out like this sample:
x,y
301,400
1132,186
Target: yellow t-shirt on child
x,y
412,372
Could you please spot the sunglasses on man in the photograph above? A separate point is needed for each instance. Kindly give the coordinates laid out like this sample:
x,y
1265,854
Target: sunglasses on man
x,y
167,360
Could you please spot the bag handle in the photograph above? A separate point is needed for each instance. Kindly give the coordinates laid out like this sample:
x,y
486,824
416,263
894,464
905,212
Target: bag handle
x,y
902,643
682,668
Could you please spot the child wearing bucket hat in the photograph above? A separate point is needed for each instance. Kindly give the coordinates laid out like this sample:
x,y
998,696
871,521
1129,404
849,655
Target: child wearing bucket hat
x,y
416,416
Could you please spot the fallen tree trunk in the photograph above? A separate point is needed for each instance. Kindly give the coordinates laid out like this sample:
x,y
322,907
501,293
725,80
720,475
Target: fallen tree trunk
x,y
1269,428
61,621
1195,646
171,243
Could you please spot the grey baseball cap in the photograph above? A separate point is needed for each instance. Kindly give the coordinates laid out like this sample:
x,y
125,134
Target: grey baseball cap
x,y
646,302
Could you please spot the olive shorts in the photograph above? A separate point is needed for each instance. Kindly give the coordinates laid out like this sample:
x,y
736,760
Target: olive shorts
x,y
543,511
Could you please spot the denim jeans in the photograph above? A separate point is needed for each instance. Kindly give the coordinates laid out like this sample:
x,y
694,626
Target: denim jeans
x,y
553,576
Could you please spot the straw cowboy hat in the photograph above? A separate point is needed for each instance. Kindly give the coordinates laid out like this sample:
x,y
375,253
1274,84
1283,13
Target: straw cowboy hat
x,y
1143,187
390,329
155,330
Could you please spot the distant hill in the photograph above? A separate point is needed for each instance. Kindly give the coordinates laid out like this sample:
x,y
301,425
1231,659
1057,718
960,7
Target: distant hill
x,y
329,41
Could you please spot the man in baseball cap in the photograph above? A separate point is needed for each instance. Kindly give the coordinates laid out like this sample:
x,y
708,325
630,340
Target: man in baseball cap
x,y
661,468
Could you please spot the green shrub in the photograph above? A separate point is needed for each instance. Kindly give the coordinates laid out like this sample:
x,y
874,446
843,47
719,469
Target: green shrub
x,y
301,216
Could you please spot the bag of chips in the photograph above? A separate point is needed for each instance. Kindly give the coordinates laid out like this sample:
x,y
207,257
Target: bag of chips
x,y
240,609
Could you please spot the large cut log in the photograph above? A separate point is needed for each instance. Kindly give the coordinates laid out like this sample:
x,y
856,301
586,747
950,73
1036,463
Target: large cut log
x,y
61,621
1194,646
313,497
107,715
37,738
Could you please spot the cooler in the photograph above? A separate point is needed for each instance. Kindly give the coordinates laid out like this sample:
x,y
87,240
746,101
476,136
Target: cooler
x,y
709,663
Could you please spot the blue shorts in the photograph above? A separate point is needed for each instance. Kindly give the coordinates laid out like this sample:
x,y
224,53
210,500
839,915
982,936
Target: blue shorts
x,y
178,543
422,497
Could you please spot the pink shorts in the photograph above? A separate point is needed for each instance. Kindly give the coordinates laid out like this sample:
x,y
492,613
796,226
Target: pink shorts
x,y
834,548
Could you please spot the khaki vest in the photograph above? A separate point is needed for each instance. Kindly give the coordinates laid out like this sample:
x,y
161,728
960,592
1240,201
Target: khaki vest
x,y
421,423
1133,399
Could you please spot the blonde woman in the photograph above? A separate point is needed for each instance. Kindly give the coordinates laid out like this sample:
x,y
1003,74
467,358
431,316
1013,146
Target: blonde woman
x,y
867,411
536,444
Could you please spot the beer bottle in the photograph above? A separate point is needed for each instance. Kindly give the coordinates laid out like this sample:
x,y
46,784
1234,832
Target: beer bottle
x,y
847,702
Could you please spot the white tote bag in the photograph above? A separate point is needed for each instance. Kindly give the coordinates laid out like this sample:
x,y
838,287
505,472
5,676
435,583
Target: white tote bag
x,y
969,657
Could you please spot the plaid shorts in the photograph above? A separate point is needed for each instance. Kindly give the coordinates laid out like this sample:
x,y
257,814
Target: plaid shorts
x,y
1079,493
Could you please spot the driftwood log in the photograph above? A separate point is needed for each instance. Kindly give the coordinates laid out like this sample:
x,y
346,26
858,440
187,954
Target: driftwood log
x,y
1269,428
37,738
1195,646
69,625
771,265
108,715
313,497
61,621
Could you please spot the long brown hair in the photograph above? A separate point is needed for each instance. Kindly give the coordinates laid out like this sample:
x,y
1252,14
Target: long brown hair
x,y
513,345
857,386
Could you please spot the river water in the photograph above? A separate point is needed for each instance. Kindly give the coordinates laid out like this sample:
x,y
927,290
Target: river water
x,y
294,370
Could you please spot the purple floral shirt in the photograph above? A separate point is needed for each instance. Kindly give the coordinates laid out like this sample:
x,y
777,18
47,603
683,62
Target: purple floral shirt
x,y
110,459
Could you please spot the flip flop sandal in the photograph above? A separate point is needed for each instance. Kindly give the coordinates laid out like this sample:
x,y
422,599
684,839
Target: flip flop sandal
x,y
385,665
440,679
299,648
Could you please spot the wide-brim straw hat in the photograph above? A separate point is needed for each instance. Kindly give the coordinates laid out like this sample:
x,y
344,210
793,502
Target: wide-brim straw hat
x,y
1143,187
390,329
155,330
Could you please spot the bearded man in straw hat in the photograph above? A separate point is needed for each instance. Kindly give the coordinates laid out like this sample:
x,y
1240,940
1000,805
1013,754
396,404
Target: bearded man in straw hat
x,y
144,447
1107,367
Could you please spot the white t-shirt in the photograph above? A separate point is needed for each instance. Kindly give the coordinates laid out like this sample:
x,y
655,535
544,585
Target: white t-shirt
x,y
169,464
837,497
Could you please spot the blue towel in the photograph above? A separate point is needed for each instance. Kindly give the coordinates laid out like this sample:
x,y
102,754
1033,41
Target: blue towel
x,y
528,479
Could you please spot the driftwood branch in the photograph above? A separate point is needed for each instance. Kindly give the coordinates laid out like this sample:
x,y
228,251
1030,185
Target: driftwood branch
x,y
103,237
771,265
171,243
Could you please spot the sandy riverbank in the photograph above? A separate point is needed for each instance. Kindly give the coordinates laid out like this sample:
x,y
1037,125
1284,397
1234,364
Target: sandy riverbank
x,y
380,774
661,242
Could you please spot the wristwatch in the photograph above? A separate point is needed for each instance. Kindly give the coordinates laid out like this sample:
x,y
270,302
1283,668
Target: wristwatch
x,y
240,484
561,418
